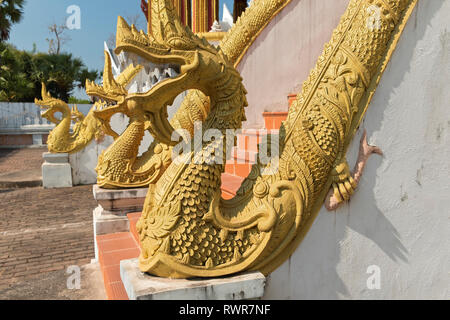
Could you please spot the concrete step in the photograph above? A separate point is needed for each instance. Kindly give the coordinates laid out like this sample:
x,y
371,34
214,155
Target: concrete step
x,y
21,179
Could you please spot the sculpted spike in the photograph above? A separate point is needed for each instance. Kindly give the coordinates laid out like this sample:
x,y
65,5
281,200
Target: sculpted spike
x,y
44,92
168,29
123,31
128,75
109,83
165,247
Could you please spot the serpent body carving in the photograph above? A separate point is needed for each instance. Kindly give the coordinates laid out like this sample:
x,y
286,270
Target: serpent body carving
x,y
186,229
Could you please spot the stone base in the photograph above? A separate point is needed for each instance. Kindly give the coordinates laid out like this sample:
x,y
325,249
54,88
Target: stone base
x,y
120,201
109,223
140,286
56,171
113,206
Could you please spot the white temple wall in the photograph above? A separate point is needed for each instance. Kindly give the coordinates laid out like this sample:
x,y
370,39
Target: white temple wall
x,y
283,54
398,220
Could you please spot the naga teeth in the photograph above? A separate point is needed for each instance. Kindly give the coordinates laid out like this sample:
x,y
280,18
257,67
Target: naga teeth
x,y
172,73
150,75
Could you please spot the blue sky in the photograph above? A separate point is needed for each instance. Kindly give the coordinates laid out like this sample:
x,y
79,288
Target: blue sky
x,y
98,22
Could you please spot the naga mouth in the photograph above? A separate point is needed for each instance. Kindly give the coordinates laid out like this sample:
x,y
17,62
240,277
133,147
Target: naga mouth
x,y
45,110
151,74
156,86
48,113
163,66
47,105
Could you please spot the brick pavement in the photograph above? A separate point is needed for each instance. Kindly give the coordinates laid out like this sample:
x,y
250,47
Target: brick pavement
x,y
43,231
12,160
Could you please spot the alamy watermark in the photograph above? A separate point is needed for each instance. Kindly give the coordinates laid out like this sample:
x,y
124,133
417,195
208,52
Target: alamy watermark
x,y
374,20
374,280
73,22
212,146
74,279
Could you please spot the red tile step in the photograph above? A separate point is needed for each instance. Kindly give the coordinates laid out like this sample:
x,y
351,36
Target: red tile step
x,y
291,99
241,162
112,248
230,185
273,120
248,139
133,218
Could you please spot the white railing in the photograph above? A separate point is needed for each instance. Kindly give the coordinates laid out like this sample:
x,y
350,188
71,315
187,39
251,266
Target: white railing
x,y
17,116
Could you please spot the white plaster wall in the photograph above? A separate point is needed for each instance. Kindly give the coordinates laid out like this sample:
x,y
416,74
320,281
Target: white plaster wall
x,y
399,217
15,115
83,163
286,50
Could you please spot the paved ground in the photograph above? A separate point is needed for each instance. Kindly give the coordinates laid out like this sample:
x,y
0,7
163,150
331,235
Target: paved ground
x,y
42,232
53,286
13,160
21,167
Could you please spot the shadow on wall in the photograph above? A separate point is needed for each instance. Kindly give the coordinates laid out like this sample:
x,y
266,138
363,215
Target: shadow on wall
x,y
312,271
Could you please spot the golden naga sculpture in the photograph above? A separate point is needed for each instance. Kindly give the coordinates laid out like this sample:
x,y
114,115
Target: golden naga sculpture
x,y
61,139
119,166
186,229
85,128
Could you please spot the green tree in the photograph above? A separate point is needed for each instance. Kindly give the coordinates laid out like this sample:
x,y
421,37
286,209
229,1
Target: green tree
x,y
59,32
14,82
10,13
21,74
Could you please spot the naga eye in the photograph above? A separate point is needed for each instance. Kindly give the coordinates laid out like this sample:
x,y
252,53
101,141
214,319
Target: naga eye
x,y
180,43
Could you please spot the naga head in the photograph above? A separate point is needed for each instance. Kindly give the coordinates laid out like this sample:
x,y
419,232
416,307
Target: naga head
x,y
110,96
51,106
174,60
76,115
